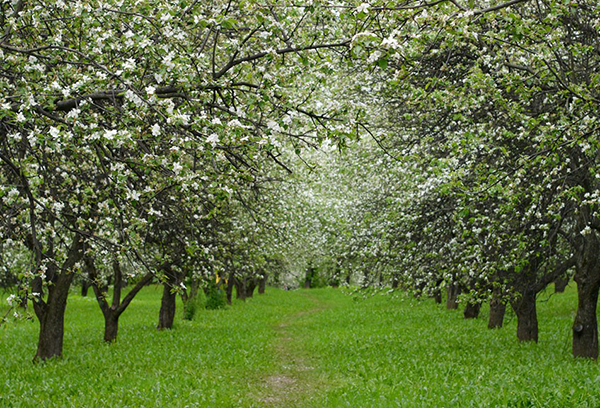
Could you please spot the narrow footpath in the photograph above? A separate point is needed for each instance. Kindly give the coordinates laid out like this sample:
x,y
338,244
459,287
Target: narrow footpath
x,y
296,381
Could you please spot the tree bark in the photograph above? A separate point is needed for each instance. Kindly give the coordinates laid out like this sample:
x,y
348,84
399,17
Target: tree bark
x,y
262,284
585,327
51,313
112,313
497,311
472,310
560,284
250,286
111,327
240,289
587,277
437,295
85,285
229,288
166,315
451,301
526,311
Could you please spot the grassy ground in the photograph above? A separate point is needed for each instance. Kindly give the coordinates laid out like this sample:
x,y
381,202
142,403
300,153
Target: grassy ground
x,y
317,348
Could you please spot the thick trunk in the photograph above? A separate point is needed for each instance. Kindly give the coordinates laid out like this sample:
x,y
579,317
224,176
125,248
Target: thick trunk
x,y
51,313
587,277
451,301
472,310
52,325
585,327
526,311
561,283
111,326
497,311
262,284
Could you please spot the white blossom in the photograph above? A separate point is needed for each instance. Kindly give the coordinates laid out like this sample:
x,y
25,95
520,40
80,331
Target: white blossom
x,y
213,139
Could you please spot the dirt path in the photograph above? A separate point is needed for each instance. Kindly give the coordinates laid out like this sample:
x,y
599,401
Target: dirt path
x,y
296,380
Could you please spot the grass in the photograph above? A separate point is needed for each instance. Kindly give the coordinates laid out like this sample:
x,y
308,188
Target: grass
x,y
336,350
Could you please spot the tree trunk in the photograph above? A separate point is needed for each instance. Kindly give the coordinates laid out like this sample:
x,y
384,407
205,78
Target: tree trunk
x,y
229,289
166,316
418,290
437,295
585,327
84,287
168,303
526,311
51,313
250,286
52,324
472,309
112,313
451,301
240,289
111,326
561,284
497,311
262,284
587,277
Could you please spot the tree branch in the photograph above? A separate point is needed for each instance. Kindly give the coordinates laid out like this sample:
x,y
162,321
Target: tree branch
x,y
129,297
232,63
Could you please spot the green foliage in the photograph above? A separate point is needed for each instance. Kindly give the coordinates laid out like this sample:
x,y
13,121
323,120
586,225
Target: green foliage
x,y
193,304
215,298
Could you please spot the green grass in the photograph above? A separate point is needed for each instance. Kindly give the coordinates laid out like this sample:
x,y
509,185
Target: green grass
x,y
378,351
401,352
